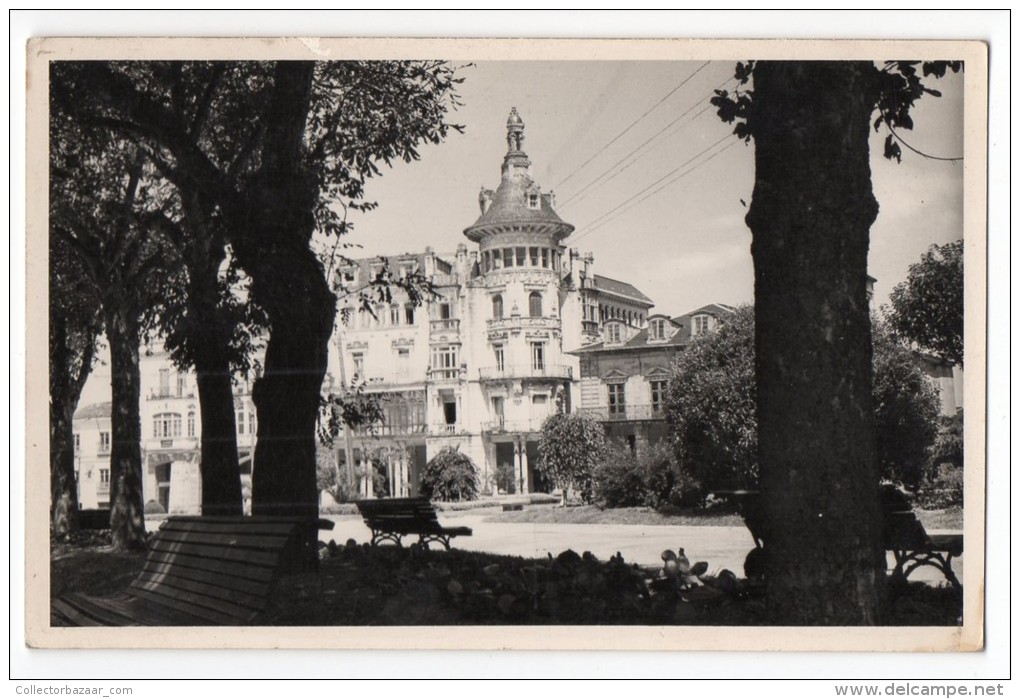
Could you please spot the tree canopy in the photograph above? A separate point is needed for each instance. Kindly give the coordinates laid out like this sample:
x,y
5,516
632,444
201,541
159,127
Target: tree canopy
x,y
927,308
570,449
714,428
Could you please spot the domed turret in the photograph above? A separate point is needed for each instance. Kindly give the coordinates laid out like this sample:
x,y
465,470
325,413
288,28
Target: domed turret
x,y
517,211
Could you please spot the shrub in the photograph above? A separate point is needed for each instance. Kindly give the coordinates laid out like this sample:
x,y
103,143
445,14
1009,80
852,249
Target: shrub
x,y
570,450
619,478
506,478
450,476
154,508
943,489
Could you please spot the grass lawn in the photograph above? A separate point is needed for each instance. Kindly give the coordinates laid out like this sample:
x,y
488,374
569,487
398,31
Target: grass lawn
x,y
391,586
590,514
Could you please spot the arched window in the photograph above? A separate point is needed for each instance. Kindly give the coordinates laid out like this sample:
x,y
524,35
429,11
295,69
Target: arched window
x,y
535,304
497,307
191,423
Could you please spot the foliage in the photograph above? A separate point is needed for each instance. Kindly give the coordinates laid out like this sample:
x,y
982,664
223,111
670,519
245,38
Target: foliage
x,y
352,407
450,476
570,449
893,90
942,489
949,441
651,478
711,408
927,308
906,407
667,481
506,478
618,479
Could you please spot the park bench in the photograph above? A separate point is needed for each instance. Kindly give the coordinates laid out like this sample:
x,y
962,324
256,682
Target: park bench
x,y
903,534
202,571
391,519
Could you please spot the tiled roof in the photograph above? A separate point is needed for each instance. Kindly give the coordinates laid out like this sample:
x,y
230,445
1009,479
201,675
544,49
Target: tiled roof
x,y
618,288
712,309
96,410
510,205
640,341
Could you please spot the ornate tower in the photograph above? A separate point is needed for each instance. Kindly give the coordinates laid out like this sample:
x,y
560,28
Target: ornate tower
x,y
520,295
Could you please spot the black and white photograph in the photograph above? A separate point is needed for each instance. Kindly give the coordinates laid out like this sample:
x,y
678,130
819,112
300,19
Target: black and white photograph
x,y
448,344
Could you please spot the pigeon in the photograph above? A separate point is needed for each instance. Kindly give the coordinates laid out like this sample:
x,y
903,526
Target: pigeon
x,y
683,564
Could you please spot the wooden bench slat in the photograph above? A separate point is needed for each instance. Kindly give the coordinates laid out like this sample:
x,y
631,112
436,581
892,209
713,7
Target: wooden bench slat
x,y
159,561
229,579
191,605
225,539
214,596
198,571
253,556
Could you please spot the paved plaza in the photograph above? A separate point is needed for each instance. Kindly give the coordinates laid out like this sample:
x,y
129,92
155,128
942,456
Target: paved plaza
x,y
720,547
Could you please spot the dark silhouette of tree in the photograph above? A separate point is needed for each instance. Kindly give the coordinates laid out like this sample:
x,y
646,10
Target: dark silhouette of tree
x,y
927,308
75,323
287,150
98,189
810,218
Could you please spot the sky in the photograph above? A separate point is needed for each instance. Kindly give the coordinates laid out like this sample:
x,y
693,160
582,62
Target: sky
x,y
602,134
652,180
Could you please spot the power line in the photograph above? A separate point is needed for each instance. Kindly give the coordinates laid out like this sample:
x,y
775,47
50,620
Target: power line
x,y
633,123
633,201
583,192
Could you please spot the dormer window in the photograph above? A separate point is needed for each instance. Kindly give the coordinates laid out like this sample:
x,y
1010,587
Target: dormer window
x,y
533,201
701,324
657,330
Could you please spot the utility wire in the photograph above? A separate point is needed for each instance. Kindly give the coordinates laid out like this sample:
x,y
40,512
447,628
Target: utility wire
x,y
581,193
634,200
633,123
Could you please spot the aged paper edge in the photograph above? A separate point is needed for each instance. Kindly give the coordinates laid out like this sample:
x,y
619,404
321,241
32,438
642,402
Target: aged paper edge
x,y
969,637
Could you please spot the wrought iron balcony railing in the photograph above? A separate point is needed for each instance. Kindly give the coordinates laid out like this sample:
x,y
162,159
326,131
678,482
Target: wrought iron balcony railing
x,y
624,412
526,371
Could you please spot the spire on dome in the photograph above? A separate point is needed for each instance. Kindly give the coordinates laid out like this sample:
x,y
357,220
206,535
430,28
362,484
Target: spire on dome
x,y
514,132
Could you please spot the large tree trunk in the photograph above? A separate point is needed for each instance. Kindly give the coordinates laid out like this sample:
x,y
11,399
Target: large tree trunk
x,y
810,217
272,243
127,505
72,349
221,478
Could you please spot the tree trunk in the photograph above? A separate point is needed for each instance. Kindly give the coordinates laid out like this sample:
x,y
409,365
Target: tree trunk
x,y
810,218
221,477
289,283
63,489
127,505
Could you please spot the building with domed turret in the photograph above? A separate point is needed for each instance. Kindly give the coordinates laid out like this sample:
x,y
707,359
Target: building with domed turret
x,y
480,366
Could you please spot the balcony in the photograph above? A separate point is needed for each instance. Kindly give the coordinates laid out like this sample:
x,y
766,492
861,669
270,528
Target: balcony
x,y
626,412
513,426
445,430
447,326
442,375
517,323
526,371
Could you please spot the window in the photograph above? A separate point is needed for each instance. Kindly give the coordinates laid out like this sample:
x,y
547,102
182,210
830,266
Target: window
x,y
166,425
191,424
701,325
497,259
77,442
358,361
538,356
497,307
508,257
409,314
658,395
403,362
533,201
617,403
613,332
182,381
104,477
522,254
445,361
535,304
545,258
164,383
445,311
498,350
240,421
497,409
533,254
394,315
251,422
657,329
104,442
